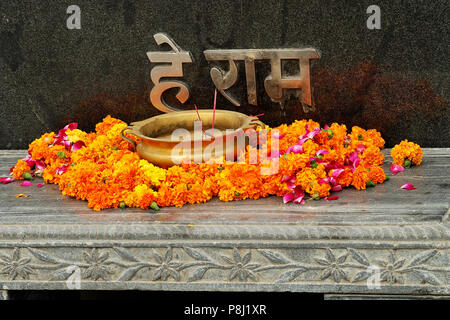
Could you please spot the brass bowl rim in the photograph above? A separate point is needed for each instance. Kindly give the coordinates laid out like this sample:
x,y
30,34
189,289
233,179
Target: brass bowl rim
x,y
135,127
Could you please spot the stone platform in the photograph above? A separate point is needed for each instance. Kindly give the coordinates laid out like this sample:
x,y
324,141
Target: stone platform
x,y
254,245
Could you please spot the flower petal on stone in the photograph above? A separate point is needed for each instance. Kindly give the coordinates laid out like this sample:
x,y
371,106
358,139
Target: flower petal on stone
x,y
395,168
331,198
408,186
6,180
40,185
26,184
299,199
288,197
21,195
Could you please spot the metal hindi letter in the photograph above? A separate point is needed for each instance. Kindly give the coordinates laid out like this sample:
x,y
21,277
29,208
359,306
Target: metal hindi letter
x,y
275,83
225,80
173,67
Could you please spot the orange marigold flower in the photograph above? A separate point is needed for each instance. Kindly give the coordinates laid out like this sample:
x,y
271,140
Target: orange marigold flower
x,y
20,168
407,150
360,178
372,156
345,178
376,174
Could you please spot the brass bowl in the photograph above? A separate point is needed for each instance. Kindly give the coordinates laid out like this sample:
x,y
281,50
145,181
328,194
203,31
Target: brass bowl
x,y
156,144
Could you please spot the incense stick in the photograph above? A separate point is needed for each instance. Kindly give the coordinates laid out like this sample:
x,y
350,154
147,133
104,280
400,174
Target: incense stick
x,y
214,111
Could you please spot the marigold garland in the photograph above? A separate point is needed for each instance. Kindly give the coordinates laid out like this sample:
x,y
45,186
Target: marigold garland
x,y
101,168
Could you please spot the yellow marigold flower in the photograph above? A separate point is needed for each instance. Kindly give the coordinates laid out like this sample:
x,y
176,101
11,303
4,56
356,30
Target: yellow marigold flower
x,y
75,135
153,174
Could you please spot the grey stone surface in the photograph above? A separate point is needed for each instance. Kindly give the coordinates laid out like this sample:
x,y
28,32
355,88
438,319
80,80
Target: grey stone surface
x,y
395,79
260,245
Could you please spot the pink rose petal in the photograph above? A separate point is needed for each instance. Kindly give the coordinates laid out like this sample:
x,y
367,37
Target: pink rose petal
x,y
62,169
322,151
40,165
337,172
39,185
324,180
6,180
299,199
360,148
288,197
288,178
395,168
408,186
71,126
77,145
30,161
26,184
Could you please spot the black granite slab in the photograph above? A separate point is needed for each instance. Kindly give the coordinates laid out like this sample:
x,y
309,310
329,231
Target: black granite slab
x,y
395,79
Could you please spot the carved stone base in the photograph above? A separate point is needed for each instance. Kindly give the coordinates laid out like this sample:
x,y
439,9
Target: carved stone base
x,y
378,242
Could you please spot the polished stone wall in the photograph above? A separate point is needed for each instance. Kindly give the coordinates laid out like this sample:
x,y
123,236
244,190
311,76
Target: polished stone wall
x,y
395,79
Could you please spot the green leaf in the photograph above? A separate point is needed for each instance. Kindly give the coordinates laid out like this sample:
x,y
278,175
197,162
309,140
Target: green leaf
x,y
61,154
154,206
27,176
314,164
407,163
370,184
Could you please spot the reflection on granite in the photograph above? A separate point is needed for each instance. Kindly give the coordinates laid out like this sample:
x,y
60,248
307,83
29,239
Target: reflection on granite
x,y
395,79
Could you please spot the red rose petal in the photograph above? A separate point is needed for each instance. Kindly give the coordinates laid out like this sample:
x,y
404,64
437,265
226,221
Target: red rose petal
x,y
408,186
